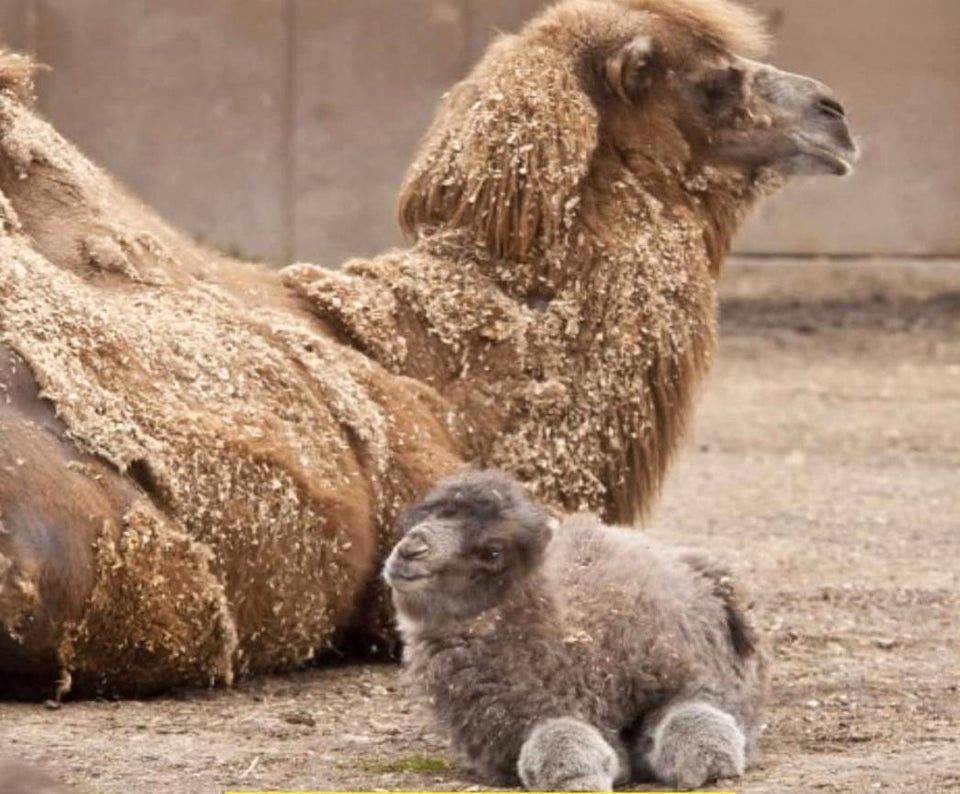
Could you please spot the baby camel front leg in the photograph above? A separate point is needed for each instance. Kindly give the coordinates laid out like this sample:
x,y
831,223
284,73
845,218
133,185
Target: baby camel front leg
x,y
693,743
566,754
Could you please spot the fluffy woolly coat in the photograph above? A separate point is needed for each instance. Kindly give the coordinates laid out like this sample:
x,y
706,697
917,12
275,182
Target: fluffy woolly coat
x,y
609,627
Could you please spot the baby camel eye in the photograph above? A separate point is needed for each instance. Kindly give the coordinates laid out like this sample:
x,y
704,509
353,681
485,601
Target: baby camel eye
x,y
491,554
449,511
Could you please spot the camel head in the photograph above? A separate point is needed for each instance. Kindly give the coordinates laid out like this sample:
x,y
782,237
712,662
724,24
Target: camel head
x,y
666,89
675,86
465,546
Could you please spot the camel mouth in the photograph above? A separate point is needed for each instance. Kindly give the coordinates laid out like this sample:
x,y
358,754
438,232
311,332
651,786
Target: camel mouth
x,y
842,164
410,577
840,159
399,576
409,585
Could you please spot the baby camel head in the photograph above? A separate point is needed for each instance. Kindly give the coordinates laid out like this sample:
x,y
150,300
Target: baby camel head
x,y
465,546
591,89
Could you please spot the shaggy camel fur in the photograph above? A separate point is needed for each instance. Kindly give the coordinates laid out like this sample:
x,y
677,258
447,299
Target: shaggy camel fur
x,y
576,660
201,459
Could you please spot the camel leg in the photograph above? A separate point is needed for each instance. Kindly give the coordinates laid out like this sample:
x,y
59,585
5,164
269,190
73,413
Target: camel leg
x,y
693,742
54,501
567,754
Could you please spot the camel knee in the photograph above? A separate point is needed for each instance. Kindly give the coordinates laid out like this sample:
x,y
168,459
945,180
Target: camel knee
x,y
54,502
694,743
567,755
48,526
27,636
45,574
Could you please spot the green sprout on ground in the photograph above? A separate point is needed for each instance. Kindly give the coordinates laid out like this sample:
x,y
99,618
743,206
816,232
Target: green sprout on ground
x,y
407,765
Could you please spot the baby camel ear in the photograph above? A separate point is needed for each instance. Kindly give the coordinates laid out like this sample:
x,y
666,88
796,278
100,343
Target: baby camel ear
x,y
629,70
547,527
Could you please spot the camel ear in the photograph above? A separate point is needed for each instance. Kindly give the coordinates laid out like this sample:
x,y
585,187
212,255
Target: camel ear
x,y
629,69
505,156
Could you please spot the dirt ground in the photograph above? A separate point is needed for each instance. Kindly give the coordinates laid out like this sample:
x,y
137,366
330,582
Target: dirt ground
x,y
825,465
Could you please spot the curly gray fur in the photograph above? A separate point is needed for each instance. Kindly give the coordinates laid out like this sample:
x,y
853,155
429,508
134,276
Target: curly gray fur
x,y
573,658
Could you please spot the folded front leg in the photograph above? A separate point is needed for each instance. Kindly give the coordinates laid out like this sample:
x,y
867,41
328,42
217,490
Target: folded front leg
x,y
693,743
567,754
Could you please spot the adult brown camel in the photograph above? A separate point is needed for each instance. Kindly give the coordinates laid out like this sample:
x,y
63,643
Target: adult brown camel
x,y
201,459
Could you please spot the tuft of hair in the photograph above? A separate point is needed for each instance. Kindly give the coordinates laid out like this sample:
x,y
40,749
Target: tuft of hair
x,y
506,152
724,24
487,494
16,75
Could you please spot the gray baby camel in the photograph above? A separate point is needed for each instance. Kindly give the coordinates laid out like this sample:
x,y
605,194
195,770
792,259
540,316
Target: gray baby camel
x,y
572,655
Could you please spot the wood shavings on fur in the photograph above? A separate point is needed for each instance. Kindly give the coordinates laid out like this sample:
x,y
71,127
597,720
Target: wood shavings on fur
x,y
270,457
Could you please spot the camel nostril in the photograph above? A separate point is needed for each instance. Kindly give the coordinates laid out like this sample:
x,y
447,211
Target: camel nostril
x,y
830,107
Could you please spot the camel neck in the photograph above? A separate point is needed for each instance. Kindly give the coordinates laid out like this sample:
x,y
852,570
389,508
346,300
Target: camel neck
x,y
529,606
583,369
575,369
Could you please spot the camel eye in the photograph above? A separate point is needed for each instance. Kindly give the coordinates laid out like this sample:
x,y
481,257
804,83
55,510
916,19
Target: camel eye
x,y
491,554
449,511
722,90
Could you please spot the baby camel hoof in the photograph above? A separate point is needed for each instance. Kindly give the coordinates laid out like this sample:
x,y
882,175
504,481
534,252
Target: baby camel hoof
x,y
567,755
697,743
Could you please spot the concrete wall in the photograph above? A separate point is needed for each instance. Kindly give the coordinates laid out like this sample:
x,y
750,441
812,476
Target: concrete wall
x,y
897,65
281,128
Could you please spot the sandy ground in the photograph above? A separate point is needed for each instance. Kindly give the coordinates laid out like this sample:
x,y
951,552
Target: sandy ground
x,y
825,465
